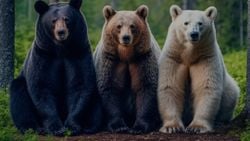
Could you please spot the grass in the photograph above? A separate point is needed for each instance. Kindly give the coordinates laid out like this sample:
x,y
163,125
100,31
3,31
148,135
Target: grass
x,y
235,63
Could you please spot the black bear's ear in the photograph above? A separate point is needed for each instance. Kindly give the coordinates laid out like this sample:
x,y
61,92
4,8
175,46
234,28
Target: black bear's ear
x,y
41,7
175,11
108,12
142,11
76,3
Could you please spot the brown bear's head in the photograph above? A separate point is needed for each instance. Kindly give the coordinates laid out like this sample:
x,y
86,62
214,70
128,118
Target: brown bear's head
x,y
125,27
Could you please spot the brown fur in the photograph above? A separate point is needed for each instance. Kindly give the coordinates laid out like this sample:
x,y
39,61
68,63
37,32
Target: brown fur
x,y
60,25
127,71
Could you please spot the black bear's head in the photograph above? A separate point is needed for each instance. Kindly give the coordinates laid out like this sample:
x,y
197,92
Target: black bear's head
x,y
58,20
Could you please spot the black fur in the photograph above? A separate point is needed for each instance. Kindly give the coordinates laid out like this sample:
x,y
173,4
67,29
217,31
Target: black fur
x,y
56,89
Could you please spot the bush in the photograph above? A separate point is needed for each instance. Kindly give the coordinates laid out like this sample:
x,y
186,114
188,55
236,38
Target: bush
x,y
236,66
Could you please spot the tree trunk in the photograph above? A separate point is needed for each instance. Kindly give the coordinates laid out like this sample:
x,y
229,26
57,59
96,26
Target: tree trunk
x,y
188,4
30,7
247,106
241,22
6,42
114,3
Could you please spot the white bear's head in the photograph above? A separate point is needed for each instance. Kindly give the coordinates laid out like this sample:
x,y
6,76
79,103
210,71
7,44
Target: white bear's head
x,y
192,25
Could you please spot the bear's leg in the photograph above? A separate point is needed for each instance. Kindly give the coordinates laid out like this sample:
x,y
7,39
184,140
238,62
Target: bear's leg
x,y
144,80
110,81
207,88
147,115
112,103
171,91
229,99
93,121
81,92
22,109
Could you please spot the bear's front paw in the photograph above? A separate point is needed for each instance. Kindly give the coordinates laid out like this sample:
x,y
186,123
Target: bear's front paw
x,y
172,127
141,127
55,128
198,128
117,125
73,127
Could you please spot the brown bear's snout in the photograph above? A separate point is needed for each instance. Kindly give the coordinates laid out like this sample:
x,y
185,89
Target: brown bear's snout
x,y
61,32
126,39
125,36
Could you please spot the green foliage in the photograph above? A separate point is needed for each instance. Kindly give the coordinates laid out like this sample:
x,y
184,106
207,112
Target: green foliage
x,y
245,136
236,65
7,129
24,35
227,25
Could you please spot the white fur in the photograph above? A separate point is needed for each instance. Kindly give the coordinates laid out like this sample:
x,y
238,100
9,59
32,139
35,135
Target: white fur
x,y
214,93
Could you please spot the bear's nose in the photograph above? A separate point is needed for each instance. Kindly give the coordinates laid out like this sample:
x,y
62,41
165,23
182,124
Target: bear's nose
x,y
126,39
61,32
194,35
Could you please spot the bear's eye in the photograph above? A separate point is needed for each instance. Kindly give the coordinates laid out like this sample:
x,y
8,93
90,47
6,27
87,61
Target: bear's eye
x,y
132,26
119,26
200,23
186,23
66,19
54,20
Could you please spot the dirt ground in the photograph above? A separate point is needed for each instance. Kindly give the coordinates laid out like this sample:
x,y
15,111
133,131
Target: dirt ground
x,y
154,136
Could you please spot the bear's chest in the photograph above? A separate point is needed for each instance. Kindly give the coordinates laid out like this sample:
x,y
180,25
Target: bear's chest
x,y
127,76
188,55
125,53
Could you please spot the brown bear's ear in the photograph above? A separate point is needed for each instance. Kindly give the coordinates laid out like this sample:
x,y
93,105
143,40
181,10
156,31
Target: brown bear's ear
x,y
76,3
108,12
41,7
142,11
211,12
175,11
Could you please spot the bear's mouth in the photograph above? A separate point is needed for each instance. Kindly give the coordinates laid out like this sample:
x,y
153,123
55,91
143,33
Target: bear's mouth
x,y
194,40
61,35
125,44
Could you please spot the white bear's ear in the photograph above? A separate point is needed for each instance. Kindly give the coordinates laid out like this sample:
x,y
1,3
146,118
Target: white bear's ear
x,y
142,11
211,12
108,12
175,11
41,7
76,3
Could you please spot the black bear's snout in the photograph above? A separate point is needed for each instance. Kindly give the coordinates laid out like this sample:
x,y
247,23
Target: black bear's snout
x,y
61,32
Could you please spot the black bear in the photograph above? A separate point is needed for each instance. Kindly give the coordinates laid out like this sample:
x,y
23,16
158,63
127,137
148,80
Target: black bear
x,y
127,71
56,90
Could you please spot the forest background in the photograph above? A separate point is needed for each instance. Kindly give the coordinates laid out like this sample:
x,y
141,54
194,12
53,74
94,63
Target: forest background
x,y
231,26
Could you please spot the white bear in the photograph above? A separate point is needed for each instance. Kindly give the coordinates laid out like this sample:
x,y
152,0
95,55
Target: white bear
x,y
195,90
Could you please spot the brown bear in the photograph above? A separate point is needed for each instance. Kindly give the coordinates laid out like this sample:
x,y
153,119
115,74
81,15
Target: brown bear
x,y
127,71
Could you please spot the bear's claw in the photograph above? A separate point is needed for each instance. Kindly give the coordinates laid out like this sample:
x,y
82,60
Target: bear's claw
x,y
197,129
171,130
